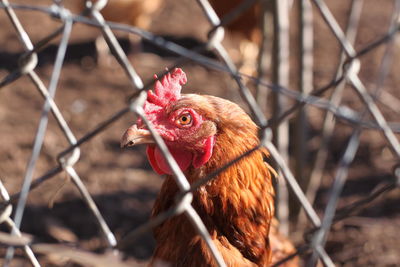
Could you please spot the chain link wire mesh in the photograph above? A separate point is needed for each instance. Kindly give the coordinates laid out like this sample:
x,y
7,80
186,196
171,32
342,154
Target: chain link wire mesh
x,y
347,74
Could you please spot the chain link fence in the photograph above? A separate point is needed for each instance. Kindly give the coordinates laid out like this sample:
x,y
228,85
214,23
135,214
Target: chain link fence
x,y
369,117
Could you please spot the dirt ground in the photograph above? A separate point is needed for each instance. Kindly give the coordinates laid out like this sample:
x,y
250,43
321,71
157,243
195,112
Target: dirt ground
x,y
122,182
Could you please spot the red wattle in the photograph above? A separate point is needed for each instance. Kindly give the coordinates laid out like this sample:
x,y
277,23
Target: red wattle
x,y
160,165
201,159
152,159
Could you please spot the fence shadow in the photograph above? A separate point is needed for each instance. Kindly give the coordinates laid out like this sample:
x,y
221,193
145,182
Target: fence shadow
x,y
69,220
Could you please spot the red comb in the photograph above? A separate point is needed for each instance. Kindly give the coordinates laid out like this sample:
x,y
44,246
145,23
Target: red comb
x,y
165,91
168,89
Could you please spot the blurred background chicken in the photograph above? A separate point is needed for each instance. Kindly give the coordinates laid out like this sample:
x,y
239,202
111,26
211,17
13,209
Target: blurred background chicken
x,y
246,28
133,12
246,25
204,133
136,13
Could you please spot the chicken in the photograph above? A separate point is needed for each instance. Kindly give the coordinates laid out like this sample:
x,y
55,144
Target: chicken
x,y
247,24
136,13
203,133
133,12
247,28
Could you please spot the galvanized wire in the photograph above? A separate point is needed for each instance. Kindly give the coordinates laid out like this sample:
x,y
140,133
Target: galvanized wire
x,y
70,155
329,121
5,218
351,150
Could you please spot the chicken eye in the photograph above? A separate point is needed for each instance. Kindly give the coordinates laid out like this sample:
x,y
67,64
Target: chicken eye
x,y
185,119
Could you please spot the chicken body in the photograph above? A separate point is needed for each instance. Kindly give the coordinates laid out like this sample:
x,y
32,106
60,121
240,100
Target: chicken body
x,y
246,28
246,24
133,12
137,13
237,206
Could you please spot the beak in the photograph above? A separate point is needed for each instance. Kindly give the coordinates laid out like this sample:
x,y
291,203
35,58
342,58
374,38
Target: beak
x,y
135,136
